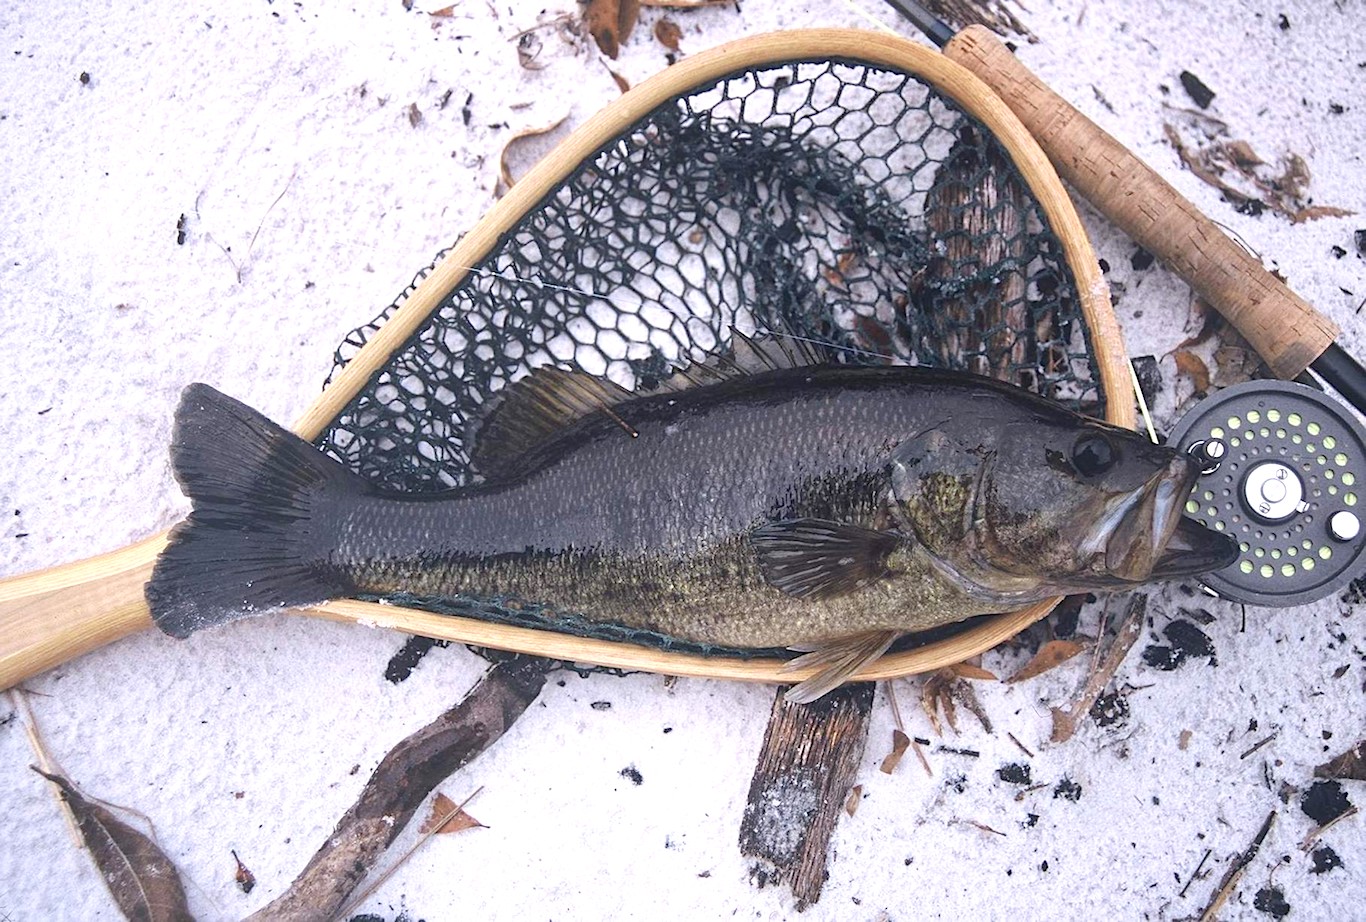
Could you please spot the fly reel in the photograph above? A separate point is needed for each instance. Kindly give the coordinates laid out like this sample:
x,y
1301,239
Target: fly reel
x,y
1284,474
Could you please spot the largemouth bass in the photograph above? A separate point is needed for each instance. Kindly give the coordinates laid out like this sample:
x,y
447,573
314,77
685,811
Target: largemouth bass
x,y
828,509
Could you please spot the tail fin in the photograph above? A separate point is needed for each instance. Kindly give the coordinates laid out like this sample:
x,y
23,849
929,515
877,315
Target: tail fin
x,y
263,519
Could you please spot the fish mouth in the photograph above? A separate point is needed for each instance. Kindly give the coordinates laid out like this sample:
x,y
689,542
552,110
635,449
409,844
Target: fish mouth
x,y
1149,538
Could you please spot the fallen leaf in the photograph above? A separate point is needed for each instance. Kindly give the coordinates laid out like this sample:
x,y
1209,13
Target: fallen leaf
x,y
139,876
1051,655
414,115
851,802
668,34
610,23
505,171
969,671
456,820
1351,764
900,742
945,690
622,83
1193,367
1314,212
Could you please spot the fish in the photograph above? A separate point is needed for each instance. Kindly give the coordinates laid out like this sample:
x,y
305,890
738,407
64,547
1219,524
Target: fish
x,y
827,509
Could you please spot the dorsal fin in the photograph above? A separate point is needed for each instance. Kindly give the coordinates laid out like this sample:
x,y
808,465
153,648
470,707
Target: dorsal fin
x,y
535,409
549,399
748,355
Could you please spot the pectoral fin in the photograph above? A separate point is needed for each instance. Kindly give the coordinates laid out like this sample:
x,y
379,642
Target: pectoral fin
x,y
836,660
821,559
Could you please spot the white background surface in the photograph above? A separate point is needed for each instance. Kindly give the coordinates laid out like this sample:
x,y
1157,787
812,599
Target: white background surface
x,y
249,118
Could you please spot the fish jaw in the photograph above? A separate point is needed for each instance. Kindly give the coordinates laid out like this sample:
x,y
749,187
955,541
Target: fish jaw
x,y
1146,537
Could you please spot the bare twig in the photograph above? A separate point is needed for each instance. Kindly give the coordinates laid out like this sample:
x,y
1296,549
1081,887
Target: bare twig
x,y
19,698
1235,871
1022,747
1065,720
1258,745
1196,873
920,754
400,784
1313,836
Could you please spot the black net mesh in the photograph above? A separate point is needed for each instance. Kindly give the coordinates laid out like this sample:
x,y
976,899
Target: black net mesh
x,y
827,200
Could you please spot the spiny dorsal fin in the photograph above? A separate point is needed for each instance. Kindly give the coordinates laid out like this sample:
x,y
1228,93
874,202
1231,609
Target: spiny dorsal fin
x,y
535,409
837,659
821,559
542,404
748,355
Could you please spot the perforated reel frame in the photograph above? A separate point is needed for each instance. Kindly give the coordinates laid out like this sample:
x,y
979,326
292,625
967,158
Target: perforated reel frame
x,y
1288,489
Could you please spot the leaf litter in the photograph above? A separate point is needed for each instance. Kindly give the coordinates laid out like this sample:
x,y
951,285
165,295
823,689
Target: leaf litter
x,y
142,880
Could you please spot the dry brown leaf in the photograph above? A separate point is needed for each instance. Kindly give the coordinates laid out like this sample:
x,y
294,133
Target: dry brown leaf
x,y
505,171
945,690
1351,764
610,23
456,819
934,694
1193,367
851,802
1050,656
900,742
969,671
1314,212
1242,154
139,876
622,83
668,34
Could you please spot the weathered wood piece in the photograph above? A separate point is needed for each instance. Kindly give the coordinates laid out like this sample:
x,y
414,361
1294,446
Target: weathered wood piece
x,y
806,766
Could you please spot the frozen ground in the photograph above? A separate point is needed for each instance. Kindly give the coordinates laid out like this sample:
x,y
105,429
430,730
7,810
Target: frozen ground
x,y
281,132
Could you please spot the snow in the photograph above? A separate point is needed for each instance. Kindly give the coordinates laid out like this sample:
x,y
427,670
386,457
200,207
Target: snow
x,y
282,133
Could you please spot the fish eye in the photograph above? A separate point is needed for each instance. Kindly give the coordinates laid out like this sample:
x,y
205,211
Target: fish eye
x,y
1093,455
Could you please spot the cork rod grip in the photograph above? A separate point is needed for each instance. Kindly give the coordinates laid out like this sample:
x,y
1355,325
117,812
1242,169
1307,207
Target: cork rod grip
x,y
1287,331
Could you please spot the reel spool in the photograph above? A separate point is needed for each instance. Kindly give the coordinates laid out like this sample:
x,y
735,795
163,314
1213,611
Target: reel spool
x,y
1285,475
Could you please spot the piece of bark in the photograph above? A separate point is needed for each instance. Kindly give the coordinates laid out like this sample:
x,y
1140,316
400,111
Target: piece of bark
x,y
804,772
400,784
140,877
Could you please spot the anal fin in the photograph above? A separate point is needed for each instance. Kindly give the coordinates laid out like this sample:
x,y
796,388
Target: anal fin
x,y
836,660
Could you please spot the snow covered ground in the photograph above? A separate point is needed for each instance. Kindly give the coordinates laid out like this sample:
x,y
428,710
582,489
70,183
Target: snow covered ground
x,y
278,138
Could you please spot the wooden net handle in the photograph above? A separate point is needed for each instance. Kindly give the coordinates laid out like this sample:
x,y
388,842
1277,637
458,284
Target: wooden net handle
x,y
1284,329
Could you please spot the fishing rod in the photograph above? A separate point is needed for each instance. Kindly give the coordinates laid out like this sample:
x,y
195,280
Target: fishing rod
x,y
1284,329
1284,465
